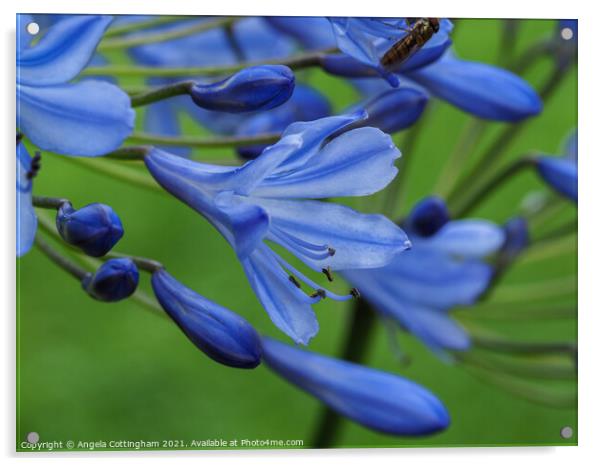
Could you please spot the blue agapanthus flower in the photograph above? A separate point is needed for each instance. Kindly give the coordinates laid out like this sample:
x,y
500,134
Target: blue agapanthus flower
x,y
561,173
444,269
87,118
263,200
480,89
220,333
378,400
27,222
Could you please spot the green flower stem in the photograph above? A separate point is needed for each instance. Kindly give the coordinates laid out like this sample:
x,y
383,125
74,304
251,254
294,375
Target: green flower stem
x,y
503,313
501,143
548,249
60,260
476,196
151,38
567,228
362,321
161,93
554,288
300,61
470,137
491,340
206,142
557,397
510,29
48,202
540,366
140,25
117,171
150,265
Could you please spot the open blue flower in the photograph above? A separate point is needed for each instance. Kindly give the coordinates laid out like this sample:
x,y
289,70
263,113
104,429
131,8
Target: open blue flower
x,y
378,400
480,89
27,222
561,173
87,118
262,200
444,269
368,39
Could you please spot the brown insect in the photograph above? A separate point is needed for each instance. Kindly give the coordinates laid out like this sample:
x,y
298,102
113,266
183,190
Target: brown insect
x,y
420,32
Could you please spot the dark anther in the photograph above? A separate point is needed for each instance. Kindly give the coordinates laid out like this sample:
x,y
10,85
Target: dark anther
x,y
332,251
319,292
328,272
355,293
294,281
19,138
36,164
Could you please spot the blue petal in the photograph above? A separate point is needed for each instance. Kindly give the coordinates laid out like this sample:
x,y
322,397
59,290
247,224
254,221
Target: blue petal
x,y
27,223
360,240
357,163
314,33
378,400
434,279
248,223
436,329
288,306
395,109
298,144
466,238
384,291
483,90
88,118
23,37
306,104
561,174
63,52
220,333
162,118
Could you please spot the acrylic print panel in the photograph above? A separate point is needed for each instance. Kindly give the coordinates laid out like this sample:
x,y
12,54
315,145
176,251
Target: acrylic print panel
x,y
271,232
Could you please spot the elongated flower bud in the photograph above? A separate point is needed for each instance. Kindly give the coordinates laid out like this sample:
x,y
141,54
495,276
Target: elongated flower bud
x,y
396,109
114,280
218,332
560,173
378,400
256,88
95,228
428,216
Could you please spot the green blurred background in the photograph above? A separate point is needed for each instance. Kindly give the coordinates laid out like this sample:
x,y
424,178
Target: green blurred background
x,y
93,371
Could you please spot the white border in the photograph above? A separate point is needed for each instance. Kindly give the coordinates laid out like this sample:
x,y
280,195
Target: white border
x,y
590,321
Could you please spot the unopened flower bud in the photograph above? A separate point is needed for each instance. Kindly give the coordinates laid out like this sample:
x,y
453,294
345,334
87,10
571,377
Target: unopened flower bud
x,y
95,228
114,280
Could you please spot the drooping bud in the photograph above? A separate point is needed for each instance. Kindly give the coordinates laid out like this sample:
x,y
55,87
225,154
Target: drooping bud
x,y
255,88
395,109
378,400
220,333
95,228
428,216
560,173
114,280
